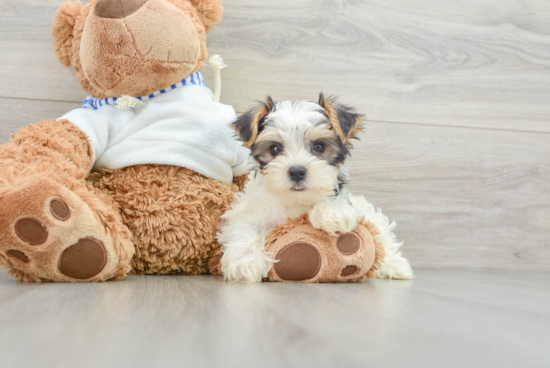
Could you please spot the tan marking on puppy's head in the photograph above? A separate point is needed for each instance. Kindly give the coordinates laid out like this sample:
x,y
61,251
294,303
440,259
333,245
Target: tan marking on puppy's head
x,y
249,124
345,121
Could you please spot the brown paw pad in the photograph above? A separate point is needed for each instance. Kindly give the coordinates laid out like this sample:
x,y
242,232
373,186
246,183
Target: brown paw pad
x,y
348,243
298,262
83,260
31,231
348,270
59,209
17,254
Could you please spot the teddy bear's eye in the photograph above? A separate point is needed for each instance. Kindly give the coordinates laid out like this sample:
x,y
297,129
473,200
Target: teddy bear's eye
x,y
275,150
319,147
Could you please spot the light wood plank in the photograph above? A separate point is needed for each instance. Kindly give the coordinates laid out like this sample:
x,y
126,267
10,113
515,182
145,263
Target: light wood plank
x,y
28,66
17,113
428,61
463,197
10,289
479,64
442,318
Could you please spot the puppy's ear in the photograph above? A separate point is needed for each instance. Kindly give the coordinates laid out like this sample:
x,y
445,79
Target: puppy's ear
x,y
250,124
345,120
62,30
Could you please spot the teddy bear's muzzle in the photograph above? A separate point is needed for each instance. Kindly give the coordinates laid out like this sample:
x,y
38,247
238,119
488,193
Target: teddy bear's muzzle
x,y
117,9
136,47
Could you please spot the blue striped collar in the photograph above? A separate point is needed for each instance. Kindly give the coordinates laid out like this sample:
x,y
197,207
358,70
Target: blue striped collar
x,y
95,103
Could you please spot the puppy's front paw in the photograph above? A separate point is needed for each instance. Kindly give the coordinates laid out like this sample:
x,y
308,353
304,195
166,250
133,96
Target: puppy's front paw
x,y
245,265
334,217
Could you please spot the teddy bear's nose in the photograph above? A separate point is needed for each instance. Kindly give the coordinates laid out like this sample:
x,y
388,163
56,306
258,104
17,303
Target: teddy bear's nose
x,y
117,8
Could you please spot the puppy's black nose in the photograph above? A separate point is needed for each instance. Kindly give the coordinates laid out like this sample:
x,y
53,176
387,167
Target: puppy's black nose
x,y
297,173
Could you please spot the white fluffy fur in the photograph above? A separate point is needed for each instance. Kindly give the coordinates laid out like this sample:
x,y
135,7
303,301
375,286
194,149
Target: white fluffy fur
x,y
268,201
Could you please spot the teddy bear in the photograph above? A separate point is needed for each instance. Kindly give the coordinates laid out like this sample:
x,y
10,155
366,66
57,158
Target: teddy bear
x,y
135,180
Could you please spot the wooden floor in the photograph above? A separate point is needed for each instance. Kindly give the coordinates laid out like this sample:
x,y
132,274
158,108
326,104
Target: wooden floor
x,y
440,319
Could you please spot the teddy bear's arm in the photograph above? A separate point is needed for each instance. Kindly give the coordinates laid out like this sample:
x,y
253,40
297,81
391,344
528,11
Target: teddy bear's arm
x,y
243,162
96,126
51,145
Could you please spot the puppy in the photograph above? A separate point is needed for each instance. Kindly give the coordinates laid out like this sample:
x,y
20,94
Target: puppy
x,y
298,153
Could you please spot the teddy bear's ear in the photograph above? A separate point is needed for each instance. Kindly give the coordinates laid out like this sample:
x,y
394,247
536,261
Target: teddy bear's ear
x,y
210,12
345,121
62,30
250,124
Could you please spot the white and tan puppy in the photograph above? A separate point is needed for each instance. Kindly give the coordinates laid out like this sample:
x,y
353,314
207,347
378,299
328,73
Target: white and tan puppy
x,y
298,154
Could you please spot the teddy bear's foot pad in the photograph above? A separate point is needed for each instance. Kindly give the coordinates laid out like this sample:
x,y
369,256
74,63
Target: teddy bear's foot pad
x,y
348,243
83,260
349,270
80,261
31,231
17,254
298,262
306,254
48,233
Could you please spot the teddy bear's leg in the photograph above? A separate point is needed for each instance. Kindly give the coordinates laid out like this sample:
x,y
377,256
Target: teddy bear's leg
x,y
52,227
306,254
173,213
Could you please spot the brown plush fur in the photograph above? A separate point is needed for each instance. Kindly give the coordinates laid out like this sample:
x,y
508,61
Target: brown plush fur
x,y
378,249
210,12
122,56
62,30
367,259
240,181
172,212
68,155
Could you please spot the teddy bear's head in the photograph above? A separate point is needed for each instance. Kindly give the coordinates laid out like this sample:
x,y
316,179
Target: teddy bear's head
x,y
133,47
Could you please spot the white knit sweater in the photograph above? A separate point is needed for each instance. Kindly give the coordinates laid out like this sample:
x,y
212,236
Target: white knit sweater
x,y
180,125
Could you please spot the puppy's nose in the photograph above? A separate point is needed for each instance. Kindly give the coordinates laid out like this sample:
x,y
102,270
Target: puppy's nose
x,y
117,8
297,173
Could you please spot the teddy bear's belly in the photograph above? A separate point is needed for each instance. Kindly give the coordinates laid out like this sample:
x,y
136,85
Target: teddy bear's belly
x,y
172,212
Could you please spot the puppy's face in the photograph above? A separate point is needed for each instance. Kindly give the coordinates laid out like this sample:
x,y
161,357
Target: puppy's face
x,y
299,147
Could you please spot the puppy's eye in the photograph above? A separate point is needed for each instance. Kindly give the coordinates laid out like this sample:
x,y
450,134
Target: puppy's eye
x,y
275,150
319,147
